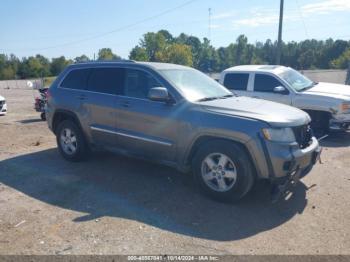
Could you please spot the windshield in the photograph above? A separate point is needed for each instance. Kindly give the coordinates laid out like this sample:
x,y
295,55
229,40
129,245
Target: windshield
x,y
296,80
194,85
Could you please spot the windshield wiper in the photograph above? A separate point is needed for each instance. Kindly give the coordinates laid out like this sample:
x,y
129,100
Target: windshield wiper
x,y
227,96
208,98
308,87
213,98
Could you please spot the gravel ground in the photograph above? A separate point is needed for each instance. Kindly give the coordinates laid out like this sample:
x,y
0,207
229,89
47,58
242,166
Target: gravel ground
x,y
116,205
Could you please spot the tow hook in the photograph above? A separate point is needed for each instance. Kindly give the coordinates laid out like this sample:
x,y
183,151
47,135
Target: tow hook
x,y
318,158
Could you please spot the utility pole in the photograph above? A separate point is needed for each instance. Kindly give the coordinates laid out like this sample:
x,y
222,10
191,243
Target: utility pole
x,y
279,43
209,25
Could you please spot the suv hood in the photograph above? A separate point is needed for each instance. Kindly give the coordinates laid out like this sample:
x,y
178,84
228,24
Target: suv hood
x,y
277,115
329,89
2,98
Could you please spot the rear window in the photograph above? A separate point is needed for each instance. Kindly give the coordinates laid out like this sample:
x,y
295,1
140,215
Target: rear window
x,y
106,80
236,81
76,79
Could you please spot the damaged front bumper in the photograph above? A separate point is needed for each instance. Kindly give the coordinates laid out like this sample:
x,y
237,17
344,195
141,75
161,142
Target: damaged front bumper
x,y
281,186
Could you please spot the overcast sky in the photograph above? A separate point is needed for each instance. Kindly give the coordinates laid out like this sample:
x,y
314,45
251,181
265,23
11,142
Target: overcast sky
x,y
75,27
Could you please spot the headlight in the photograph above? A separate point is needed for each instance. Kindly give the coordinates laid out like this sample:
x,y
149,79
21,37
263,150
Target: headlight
x,y
345,107
279,134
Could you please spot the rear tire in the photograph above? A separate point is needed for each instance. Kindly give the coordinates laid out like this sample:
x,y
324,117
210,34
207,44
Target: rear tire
x,y
226,182
43,116
71,141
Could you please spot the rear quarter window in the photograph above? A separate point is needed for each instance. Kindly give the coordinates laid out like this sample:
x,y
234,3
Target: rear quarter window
x,y
236,81
76,79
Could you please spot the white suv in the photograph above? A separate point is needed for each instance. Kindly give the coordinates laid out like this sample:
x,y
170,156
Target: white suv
x,y
3,106
327,104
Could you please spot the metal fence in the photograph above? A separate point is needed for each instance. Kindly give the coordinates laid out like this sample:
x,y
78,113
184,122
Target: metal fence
x,y
20,84
330,76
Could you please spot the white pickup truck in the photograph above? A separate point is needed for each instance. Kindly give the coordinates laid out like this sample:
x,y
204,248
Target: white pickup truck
x,y
327,104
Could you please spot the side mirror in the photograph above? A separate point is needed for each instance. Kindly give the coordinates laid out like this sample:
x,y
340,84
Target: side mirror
x,y
280,90
159,94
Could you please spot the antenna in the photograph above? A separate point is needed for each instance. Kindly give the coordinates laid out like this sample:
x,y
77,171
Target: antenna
x,y
209,25
279,42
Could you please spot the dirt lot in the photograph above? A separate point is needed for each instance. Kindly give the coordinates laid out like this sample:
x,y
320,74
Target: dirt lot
x,y
117,205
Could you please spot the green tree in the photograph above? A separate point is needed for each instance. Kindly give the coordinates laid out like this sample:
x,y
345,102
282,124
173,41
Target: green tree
x,y
168,37
58,64
44,65
37,66
176,54
190,50
153,43
9,66
7,72
195,45
139,54
342,62
208,58
81,59
107,54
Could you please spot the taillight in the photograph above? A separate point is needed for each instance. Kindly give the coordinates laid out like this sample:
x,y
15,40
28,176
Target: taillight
x,y
48,94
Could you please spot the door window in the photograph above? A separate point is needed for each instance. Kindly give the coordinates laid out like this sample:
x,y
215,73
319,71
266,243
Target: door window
x,y
236,81
138,83
106,80
265,83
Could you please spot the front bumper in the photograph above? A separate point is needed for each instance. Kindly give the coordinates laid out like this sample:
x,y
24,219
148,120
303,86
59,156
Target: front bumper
x,y
294,169
288,159
339,122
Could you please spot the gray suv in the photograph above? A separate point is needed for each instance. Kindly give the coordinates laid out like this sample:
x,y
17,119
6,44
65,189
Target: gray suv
x,y
180,117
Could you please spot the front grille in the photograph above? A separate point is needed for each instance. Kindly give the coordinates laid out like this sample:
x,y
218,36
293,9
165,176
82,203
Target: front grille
x,y
303,135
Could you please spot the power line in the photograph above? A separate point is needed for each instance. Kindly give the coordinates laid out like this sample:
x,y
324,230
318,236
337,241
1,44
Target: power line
x,y
209,24
115,30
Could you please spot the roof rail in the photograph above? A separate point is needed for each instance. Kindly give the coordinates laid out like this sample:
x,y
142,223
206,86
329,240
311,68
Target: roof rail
x,y
106,61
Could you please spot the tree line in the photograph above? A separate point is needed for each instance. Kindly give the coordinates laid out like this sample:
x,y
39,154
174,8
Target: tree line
x,y
189,50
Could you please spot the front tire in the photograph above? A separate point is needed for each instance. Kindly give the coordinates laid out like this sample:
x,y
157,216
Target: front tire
x,y
223,170
319,122
71,142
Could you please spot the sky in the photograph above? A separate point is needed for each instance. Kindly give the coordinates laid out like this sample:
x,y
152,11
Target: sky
x,y
75,27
